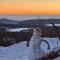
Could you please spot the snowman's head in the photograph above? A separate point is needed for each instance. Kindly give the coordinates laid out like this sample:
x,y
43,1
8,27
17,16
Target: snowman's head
x,y
37,31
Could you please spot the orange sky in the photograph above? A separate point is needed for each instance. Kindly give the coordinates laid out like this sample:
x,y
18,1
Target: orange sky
x,y
32,8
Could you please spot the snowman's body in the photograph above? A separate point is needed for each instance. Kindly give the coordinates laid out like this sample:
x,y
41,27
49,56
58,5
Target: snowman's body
x,y
35,51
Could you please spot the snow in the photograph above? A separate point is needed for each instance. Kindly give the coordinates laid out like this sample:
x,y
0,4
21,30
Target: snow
x,y
14,52
58,58
35,50
53,42
52,25
20,51
16,29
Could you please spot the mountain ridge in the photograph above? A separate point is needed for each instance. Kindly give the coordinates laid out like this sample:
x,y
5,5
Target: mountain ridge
x,y
27,23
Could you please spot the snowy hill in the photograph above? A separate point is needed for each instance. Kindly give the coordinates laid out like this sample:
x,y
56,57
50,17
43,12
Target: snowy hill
x,y
20,51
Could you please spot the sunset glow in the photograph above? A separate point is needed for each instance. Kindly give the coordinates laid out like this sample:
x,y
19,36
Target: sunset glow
x,y
45,7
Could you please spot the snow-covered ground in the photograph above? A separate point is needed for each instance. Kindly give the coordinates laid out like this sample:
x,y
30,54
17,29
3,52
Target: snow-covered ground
x,y
58,58
20,51
52,25
16,29
53,42
15,52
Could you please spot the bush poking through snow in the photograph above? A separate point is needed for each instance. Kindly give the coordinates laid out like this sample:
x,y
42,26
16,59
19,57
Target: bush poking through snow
x,y
51,55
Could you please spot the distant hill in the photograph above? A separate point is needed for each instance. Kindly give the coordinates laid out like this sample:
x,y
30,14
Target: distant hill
x,y
31,22
27,23
35,21
7,21
47,21
40,21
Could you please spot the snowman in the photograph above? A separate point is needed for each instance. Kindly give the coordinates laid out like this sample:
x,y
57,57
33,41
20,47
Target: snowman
x,y
35,51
